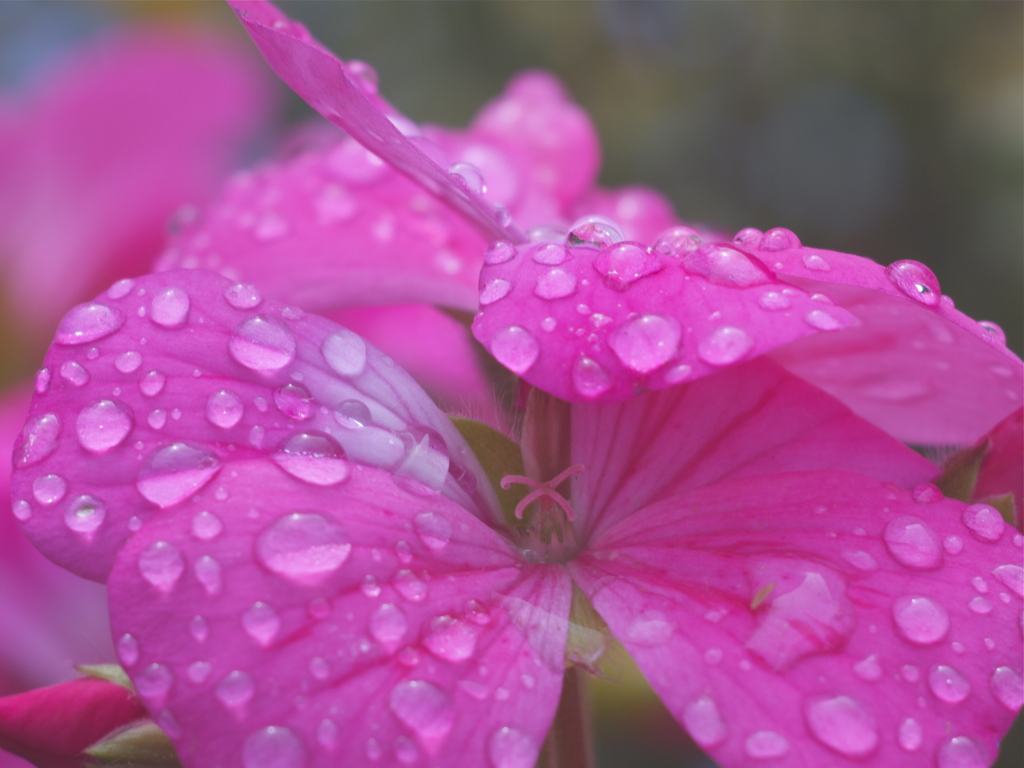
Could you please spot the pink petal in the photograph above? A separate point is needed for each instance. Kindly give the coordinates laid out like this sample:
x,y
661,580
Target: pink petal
x,y
818,617
586,323
325,83
88,141
158,386
750,419
360,623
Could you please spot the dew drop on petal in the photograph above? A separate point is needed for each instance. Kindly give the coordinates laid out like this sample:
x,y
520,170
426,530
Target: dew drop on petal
x,y
554,284
980,606
515,348
962,752
85,515
313,457
499,252
423,707
169,308
984,521
127,650
677,242
953,545
206,526
822,320
779,239
88,322
121,288
511,748
345,352
948,684
374,751
815,262
625,263
910,735
913,543
235,690
862,561
175,472
243,296
224,409
261,623
1008,688
433,529
74,373
262,343
38,440
103,425
274,747
49,489
915,280
327,734
468,176
295,401
589,378
1012,577
868,668
153,684
842,724
766,744
920,620
649,629
208,573
728,266
725,345
646,343
774,300
494,290
199,629
704,723
450,639
161,564
594,230
408,586
128,362
303,547
388,624
152,384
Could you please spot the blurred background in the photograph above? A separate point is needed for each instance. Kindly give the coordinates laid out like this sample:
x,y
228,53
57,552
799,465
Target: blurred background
x,y
890,130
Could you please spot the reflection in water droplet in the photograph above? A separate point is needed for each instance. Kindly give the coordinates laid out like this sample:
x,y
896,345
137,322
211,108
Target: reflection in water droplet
x,y
920,620
303,547
175,472
842,724
314,457
916,281
103,425
88,322
261,623
224,409
85,515
294,401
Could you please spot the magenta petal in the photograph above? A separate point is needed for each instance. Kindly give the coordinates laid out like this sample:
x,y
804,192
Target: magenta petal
x,y
152,392
817,617
1002,470
750,419
324,82
363,623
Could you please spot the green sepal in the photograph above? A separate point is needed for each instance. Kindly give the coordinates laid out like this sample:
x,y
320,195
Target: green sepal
x,y
139,746
112,673
499,456
960,472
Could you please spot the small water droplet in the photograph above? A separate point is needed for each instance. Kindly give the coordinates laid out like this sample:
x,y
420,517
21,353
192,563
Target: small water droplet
x,y
1012,577
198,628
295,401
152,384
72,372
868,668
1008,687
450,639
980,606
433,529
370,587
511,748
953,545
408,586
262,343
22,510
646,343
862,561
38,440
962,752
388,625
313,457
206,526
589,378
175,472
515,348
774,300
169,308
243,296
423,707
208,573
948,684
88,322
843,724
822,320
984,521
327,734
920,620
374,751
85,515
910,735
766,744
727,266
161,564
725,345
815,262
224,409
42,381
128,650
261,623
49,489
555,284
345,352
913,543
235,691
494,290
916,281
704,723
121,288
499,252
273,747
303,547
103,425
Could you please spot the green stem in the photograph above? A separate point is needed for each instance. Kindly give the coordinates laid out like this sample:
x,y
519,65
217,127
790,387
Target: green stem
x,y
568,744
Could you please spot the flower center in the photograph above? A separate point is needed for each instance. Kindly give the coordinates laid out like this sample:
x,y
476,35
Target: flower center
x,y
547,534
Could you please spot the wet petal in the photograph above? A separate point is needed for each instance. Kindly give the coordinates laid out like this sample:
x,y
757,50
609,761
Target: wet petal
x,y
367,620
774,626
138,416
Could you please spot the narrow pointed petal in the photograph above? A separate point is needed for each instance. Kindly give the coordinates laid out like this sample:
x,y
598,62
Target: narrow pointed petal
x,y
374,622
156,388
750,419
819,619
325,83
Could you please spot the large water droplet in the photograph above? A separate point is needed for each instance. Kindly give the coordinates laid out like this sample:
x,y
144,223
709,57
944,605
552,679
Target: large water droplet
x,y
551,254
450,639
913,543
515,348
984,521
765,744
262,343
224,409
623,264
594,230
725,345
74,373
962,752
103,425
677,242
208,573
916,281
314,457
161,564
304,547
704,723
153,685
555,284
433,529
169,308
511,748
1008,687
388,625
723,265
88,322
910,735
38,440
499,252
646,343
85,515
274,747
49,489
948,684
920,620
779,239
843,724
175,472
261,623
345,352
589,378
235,691
128,362
1011,576
423,707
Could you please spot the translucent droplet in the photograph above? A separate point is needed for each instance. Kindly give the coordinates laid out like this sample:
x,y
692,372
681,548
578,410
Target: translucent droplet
x,y
499,252
49,489
261,623
303,547
294,401
913,543
72,372
704,723
815,262
962,752
408,586
235,690
725,345
953,545
313,457
868,668
589,378
765,744
984,521
623,264
353,414
862,561
948,684
128,362
327,734
103,425
85,515
1012,577
243,296
842,724
910,735
511,748
88,322
224,409
374,750
388,625
199,629
206,526
127,650
650,629
555,284
153,685
208,573
494,290
515,348
38,440
778,239
406,750
750,236
727,266
345,352
169,308
646,343
468,176
920,620
121,288
423,707
774,300
450,639
822,320
175,472
262,343
161,564
433,529
152,384
273,747
677,242
916,281
1008,687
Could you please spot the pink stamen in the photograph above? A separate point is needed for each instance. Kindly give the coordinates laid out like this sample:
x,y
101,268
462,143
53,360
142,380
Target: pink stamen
x,y
542,489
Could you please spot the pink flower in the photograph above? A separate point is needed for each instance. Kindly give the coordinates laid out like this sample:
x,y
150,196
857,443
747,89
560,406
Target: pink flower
x,y
305,559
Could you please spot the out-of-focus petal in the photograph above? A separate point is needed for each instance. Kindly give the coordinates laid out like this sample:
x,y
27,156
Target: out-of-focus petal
x,y
869,629
161,384
369,620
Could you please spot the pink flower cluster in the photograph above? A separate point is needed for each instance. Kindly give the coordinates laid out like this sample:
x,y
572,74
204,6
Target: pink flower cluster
x,y
703,460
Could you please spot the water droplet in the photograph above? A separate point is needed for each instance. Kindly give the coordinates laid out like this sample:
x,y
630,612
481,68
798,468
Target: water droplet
x,y
910,735
468,176
980,606
645,343
374,751
862,561
748,236
128,362
822,320
766,744
121,288
499,252
727,266
175,472
594,230
515,348
589,378
433,529
704,723
815,262
494,290
842,724
779,239
868,668
314,457
74,373
995,332
169,308
153,685
235,691
913,543
962,752
206,526
677,242
152,384
984,521
920,620
406,750
243,296
410,587
295,401
224,409
725,345
953,545
450,639
49,489
208,573
103,425
1012,577
555,284
38,440
327,734
649,629
511,748
128,650
1008,687
423,707
625,263
273,747
88,322
947,684
161,564
774,300
261,623
262,343
345,352
85,515
303,547
915,280
42,381
199,629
